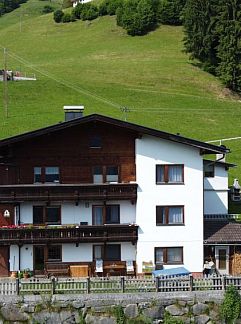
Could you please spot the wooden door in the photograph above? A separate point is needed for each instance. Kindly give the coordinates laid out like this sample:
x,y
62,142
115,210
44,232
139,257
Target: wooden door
x,y
4,261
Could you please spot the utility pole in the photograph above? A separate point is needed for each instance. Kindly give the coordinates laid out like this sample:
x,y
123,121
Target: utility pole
x,y
125,110
5,83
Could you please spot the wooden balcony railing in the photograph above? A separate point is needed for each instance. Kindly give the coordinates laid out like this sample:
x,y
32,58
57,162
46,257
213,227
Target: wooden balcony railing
x,y
82,234
70,192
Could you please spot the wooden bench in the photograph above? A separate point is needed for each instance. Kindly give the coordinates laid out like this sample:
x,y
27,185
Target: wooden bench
x,y
57,269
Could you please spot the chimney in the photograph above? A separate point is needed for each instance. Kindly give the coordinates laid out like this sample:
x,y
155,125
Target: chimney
x,y
73,112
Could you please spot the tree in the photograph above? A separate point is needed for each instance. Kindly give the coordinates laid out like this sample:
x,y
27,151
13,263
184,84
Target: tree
x,y
137,17
229,48
170,11
89,11
201,40
58,15
77,10
231,305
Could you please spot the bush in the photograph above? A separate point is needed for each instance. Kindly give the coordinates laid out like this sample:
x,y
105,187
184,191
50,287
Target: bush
x,y
66,18
76,12
231,305
137,17
47,9
58,15
103,8
170,11
89,11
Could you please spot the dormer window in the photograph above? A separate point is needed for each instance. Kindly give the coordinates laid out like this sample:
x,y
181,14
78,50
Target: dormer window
x,y
46,174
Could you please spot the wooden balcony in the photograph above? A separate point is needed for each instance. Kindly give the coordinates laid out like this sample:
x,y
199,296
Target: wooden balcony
x,y
59,234
67,192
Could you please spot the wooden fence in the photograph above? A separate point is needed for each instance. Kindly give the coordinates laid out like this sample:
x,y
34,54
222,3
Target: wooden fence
x,y
9,286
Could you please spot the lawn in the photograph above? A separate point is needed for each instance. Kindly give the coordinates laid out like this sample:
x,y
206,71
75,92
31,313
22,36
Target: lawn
x,y
96,64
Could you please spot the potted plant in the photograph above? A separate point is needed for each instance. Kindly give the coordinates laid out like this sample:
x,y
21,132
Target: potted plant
x,y
26,273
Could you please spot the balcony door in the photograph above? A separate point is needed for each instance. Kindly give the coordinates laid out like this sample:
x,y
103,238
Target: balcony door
x,y
106,214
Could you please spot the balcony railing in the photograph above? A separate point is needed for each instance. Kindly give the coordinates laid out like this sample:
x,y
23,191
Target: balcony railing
x,y
79,234
70,192
224,217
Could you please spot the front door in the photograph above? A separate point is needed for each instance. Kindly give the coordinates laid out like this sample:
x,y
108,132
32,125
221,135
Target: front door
x,y
4,261
38,261
222,259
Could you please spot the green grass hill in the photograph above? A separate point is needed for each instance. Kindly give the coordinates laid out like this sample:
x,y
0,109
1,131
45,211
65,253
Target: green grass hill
x,y
96,64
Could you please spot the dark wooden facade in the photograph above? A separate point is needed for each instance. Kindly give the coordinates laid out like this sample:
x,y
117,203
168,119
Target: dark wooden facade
x,y
72,151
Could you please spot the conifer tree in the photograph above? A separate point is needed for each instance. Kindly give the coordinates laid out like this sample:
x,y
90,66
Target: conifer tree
x,y
229,48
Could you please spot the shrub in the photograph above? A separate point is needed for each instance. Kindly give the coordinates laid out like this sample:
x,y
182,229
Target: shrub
x,y
170,11
47,9
89,11
231,305
137,17
76,12
66,18
103,8
58,15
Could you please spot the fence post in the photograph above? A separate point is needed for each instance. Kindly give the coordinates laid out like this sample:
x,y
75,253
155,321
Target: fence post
x,y
122,284
223,279
191,282
53,285
88,285
17,286
157,284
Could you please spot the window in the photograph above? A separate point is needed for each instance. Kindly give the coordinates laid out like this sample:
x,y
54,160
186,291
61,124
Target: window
x,y
113,252
54,253
169,173
112,174
46,215
208,169
108,214
46,174
169,215
51,174
95,142
169,255
98,252
37,174
102,174
98,174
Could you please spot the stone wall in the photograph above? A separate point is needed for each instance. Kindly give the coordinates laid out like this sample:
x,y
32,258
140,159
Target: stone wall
x,y
187,307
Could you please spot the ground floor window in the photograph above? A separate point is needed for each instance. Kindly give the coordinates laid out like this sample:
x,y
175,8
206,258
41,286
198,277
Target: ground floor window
x,y
54,253
168,255
109,252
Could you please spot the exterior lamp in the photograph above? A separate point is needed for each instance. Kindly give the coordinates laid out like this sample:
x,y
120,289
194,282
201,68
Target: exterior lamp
x,y
6,213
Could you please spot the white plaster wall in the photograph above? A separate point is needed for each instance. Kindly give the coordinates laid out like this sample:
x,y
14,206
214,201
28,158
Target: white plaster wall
x,y
71,214
219,181
128,252
82,253
149,152
215,202
14,258
26,257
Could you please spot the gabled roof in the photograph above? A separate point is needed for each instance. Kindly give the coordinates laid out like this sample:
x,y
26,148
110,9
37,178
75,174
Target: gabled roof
x,y
140,130
218,231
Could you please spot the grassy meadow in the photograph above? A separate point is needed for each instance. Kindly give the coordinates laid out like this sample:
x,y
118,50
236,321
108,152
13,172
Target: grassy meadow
x,y
96,64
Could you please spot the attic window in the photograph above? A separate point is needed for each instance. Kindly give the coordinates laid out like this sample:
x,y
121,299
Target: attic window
x,y
95,142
